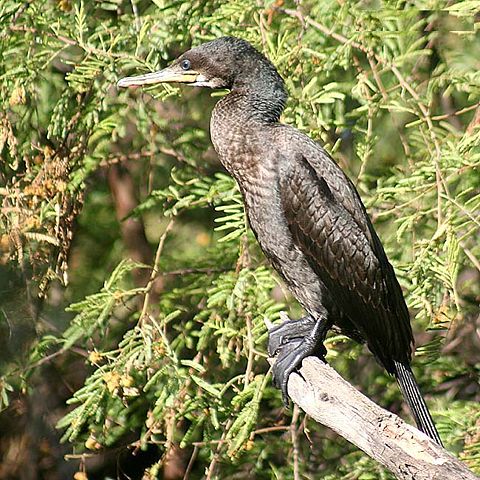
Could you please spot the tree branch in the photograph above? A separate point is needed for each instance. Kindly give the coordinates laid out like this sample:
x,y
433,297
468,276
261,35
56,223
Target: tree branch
x,y
408,453
122,186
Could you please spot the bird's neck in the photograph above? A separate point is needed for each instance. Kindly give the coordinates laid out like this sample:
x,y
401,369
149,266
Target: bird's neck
x,y
259,97
249,105
241,120
238,120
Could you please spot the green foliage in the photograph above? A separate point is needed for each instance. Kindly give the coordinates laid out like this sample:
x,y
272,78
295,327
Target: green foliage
x,y
174,346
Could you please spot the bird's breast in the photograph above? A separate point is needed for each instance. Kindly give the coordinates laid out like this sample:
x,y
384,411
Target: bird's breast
x,y
252,159
240,148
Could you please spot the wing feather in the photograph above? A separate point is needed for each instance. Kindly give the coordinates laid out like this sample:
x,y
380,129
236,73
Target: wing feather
x,y
331,227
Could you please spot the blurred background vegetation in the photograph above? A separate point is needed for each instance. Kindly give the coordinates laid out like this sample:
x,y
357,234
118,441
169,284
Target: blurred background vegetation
x,y
132,295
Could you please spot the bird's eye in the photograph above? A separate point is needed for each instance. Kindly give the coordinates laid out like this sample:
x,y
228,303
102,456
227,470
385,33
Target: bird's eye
x,y
185,64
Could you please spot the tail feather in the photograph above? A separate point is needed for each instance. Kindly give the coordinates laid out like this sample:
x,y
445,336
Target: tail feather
x,y
409,388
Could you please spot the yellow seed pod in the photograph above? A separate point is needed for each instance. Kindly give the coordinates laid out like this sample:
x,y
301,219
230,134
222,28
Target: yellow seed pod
x,y
80,476
92,444
112,379
249,445
127,381
65,6
18,96
94,357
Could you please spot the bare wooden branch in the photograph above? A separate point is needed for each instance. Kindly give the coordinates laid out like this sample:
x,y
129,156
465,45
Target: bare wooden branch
x,y
408,453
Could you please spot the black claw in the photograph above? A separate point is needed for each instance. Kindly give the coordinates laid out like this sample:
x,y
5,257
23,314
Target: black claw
x,y
289,358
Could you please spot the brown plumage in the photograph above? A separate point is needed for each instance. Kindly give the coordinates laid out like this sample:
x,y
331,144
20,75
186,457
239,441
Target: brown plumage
x,y
306,214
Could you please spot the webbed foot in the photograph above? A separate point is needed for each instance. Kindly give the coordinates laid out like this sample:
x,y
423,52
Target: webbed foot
x,y
292,341
288,331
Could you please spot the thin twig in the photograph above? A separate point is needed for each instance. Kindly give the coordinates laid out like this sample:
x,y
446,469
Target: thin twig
x,y
138,23
278,428
327,31
474,122
262,24
209,443
193,457
294,437
471,256
114,159
457,113
216,455
189,271
248,370
68,41
378,81
19,12
154,272
468,214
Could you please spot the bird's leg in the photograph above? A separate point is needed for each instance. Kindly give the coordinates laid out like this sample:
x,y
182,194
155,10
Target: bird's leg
x,y
293,341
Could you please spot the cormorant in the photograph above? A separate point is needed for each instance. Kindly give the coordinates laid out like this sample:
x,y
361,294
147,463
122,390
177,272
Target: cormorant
x,y
306,215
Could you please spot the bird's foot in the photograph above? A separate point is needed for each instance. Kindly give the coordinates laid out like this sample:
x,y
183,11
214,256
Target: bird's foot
x,y
292,341
288,331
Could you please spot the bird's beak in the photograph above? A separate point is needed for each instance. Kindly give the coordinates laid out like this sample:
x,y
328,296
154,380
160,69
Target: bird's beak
x,y
167,75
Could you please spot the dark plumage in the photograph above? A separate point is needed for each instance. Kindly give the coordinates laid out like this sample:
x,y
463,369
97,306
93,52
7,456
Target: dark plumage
x,y
306,214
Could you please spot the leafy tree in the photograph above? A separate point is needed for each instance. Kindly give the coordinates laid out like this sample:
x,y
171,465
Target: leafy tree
x,y
130,281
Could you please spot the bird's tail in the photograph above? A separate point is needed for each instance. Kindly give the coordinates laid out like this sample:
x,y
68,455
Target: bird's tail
x,y
409,388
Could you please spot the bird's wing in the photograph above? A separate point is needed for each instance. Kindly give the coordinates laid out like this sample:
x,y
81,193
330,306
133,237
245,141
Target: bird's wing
x,y
330,226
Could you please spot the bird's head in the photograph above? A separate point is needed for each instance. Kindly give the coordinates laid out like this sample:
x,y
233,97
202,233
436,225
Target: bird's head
x,y
222,63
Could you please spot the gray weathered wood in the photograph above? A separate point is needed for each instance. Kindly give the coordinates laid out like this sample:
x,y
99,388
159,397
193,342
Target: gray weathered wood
x,y
326,397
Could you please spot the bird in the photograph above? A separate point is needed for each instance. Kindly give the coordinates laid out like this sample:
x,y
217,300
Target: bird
x,y
307,217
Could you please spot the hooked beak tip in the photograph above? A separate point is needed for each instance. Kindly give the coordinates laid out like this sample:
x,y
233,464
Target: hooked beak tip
x,y
122,83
